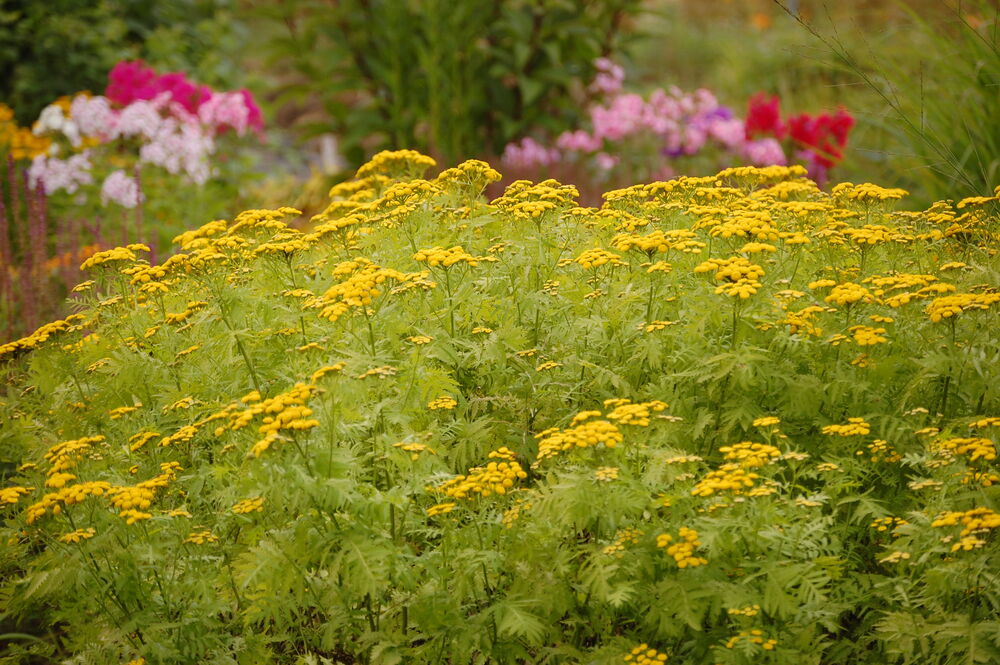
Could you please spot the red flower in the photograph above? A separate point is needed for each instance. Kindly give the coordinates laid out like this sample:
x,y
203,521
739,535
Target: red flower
x,y
764,117
824,135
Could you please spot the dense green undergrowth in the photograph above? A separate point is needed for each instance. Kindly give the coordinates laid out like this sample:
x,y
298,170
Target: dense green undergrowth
x,y
718,420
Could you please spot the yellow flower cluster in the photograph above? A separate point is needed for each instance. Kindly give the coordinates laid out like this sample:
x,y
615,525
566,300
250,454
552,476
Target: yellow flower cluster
x,y
66,496
597,257
867,192
727,478
974,448
879,450
849,293
622,538
441,508
750,455
402,164
625,412
683,550
867,335
893,524
118,254
445,403
201,537
513,513
748,611
246,506
606,473
41,335
643,655
360,289
439,256
494,478
588,434
974,521
414,449
78,535
854,427
946,307
11,495
283,412
754,636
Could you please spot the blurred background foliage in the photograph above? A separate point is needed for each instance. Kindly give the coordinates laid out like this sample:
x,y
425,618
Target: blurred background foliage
x,y
452,79
461,79
59,47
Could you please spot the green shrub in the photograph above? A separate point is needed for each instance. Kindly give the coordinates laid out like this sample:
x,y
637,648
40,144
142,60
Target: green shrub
x,y
722,420
450,78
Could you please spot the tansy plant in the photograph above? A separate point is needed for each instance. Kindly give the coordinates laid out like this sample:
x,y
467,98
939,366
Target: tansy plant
x,y
729,420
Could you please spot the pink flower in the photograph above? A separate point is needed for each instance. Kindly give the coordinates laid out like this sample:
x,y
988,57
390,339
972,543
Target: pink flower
x,y
608,79
60,174
121,189
529,154
579,140
93,115
606,161
764,152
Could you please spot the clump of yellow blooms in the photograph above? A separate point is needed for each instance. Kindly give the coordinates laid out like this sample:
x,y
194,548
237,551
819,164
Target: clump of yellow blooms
x,y
606,473
66,496
748,611
41,335
439,256
974,521
683,550
749,455
414,449
849,293
727,478
867,192
494,478
588,434
949,306
360,289
753,636
625,412
624,537
285,412
853,427
597,257
201,537
974,448
882,524
644,655
444,403
78,535
441,508
880,450
246,506
396,164
867,335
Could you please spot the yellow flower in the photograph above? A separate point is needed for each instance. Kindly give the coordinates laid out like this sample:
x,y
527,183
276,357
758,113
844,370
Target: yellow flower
x,y
441,509
78,535
606,473
854,427
444,403
247,506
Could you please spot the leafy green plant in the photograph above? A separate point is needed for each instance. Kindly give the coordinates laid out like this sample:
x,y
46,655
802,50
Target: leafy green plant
x,y
450,78
732,419
937,96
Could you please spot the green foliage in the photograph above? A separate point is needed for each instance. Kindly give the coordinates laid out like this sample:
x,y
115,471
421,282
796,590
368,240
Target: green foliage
x,y
48,49
936,95
804,474
449,78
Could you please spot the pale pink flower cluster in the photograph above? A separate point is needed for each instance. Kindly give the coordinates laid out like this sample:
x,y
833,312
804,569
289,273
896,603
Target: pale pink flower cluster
x,y
529,153
121,189
61,174
675,122
165,132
